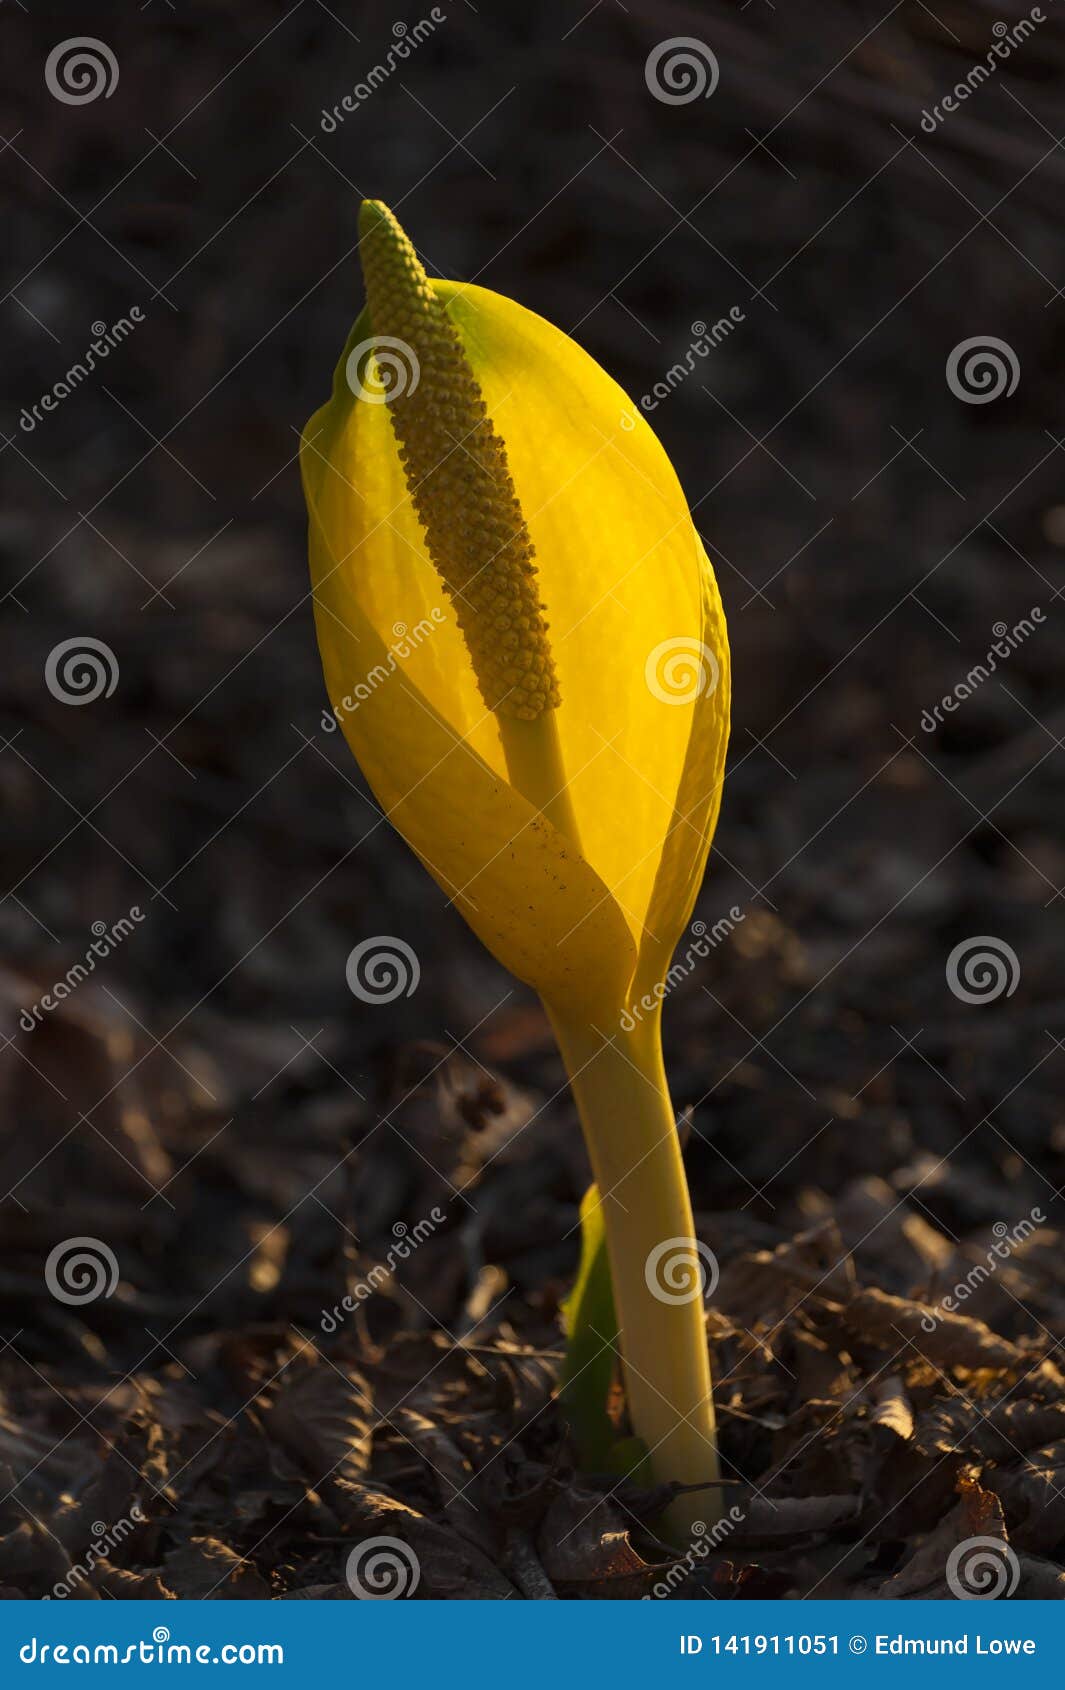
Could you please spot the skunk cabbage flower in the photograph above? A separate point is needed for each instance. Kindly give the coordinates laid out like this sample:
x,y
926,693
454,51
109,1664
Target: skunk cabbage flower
x,y
523,642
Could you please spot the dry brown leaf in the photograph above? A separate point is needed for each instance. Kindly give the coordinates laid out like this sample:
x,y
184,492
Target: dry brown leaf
x,y
892,1407
583,1541
204,1567
946,1340
786,1516
925,1572
126,1586
1033,1495
321,1417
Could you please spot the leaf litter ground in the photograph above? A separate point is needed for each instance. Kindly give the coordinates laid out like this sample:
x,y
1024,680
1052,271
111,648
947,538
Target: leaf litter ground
x,y
250,1142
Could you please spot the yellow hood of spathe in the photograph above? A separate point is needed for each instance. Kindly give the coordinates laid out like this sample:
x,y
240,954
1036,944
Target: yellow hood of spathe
x,y
639,644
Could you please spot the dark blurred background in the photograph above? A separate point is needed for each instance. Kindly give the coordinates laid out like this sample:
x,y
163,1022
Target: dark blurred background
x,y
197,1102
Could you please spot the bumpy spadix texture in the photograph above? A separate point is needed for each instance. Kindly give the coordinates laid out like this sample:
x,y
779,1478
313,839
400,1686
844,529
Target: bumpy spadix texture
x,y
621,575
458,476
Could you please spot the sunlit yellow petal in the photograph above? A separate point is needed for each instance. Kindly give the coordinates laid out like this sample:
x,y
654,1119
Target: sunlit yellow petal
x,y
621,575
349,456
687,845
524,889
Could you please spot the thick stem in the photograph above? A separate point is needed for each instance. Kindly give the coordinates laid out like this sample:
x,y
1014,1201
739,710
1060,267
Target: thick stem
x,y
534,763
623,1098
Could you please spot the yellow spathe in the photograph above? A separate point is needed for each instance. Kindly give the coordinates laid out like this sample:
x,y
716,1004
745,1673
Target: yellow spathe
x,y
637,636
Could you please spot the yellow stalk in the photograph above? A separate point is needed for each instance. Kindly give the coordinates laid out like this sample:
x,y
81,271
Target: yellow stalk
x,y
536,767
623,1099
